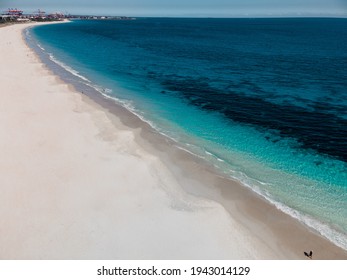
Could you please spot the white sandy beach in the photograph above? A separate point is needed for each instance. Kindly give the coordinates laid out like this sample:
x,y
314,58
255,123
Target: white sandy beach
x,y
76,183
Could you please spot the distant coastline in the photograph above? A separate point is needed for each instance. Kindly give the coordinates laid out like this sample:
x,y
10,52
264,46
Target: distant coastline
x,y
14,15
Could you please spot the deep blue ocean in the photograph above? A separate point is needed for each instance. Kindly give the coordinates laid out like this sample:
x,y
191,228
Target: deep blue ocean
x,y
263,100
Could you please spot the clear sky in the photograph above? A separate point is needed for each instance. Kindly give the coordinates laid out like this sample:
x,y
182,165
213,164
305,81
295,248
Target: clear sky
x,y
213,8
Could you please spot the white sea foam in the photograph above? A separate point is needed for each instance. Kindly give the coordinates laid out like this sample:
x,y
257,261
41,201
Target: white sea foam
x,y
129,106
214,156
190,152
325,230
27,33
67,68
42,48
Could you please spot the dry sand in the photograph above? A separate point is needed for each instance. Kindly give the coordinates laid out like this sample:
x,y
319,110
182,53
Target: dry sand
x,y
81,178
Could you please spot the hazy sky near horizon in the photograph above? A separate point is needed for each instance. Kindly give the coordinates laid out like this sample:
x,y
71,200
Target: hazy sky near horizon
x,y
185,7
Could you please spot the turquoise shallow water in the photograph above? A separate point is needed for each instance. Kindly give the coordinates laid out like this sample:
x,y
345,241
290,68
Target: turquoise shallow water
x,y
264,100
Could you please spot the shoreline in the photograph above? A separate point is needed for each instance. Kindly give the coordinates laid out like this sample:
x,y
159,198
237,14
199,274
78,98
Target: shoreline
x,y
250,208
190,186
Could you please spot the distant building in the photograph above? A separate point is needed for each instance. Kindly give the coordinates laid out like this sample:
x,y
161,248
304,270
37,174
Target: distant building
x,y
13,12
39,14
5,17
56,15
